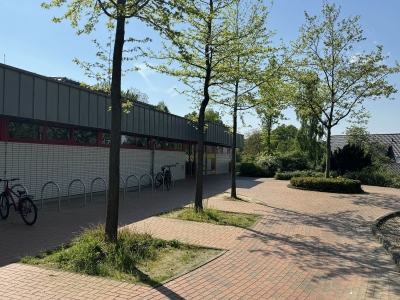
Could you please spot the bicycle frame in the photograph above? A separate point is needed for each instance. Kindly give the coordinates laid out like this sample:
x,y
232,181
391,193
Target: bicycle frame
x,y
10,192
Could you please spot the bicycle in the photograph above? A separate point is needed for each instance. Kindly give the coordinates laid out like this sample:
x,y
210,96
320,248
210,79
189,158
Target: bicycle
x,y
166,175
24,206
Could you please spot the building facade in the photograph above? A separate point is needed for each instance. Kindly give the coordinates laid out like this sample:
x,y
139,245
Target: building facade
x,y
55,130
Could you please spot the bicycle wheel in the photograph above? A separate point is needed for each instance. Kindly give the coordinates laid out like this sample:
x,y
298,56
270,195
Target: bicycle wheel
x,y
28,210
4,206
159,180
168,180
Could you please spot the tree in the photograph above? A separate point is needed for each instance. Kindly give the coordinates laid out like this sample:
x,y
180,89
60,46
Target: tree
x,y
310,132
200,50
283,138
246,66
346,78
117,13
162,106
253,144
210,115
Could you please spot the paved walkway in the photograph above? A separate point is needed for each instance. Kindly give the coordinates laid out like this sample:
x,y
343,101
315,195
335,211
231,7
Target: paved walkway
x,y
308,245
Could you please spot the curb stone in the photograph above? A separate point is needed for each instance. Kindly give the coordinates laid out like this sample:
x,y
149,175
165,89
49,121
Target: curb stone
x,y
381,238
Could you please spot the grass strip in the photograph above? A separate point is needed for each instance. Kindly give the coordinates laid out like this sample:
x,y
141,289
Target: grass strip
x,y
136,257
214,216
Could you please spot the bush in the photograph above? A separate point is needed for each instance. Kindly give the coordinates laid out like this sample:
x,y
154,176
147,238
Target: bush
x,y
342,185
252,170
292,161
378,177
290,175
270,164
349,158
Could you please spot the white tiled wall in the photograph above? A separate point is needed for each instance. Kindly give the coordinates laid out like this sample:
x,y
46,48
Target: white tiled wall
x,y
36,164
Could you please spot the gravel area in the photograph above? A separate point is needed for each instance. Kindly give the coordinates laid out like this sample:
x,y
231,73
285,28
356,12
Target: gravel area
x,y
390,229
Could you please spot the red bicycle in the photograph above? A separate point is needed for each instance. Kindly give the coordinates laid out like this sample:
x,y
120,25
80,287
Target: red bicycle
x,y
25,206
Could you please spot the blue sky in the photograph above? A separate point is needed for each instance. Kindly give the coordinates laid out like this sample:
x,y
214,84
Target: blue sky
x,y
30,41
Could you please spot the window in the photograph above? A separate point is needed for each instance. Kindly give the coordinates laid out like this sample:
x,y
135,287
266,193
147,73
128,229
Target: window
x,y
143,142
85,136
158,144
23,130
128,140
398,159
58,133
105,138
178,146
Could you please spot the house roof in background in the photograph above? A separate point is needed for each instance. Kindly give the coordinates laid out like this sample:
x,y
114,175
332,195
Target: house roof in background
x,y
392,139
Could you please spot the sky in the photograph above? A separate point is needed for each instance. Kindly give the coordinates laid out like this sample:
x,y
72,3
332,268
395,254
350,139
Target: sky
x,y
29,40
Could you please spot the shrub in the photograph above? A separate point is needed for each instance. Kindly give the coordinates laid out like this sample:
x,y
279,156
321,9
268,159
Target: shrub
x,y
289,175
251,170
270,164
342,185
378,177
292,161
349,158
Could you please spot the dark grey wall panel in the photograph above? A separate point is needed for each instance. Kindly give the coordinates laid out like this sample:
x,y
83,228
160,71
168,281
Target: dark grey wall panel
x,y
26,96
156,123
39,108
169,128
2,70
52,101
101,112
141,120
173,127
74,106
129,120
11,93
135,119
151,122
63,104
93,110
84,108
108,113
146,121
124,120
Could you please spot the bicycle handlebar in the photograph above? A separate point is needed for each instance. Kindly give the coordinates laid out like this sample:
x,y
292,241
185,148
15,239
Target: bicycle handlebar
x,y
13,179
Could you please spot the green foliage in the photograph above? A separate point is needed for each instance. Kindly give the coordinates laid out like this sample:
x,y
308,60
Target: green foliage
x,y
290,175
326,50
340,185
210,115
349,158
250,169
270,164
376,176
162,106
291,161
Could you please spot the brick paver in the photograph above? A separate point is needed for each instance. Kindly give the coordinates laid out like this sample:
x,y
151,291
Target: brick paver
x,y
307,245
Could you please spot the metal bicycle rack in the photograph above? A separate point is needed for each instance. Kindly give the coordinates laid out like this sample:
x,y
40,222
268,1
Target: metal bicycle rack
x,y
126,183
84,189
91,187
59,194
151,181
123,180
15,185
173,180
162,180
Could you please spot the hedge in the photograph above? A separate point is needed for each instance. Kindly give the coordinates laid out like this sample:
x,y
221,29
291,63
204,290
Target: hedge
x,y
252,170
340,185
290,175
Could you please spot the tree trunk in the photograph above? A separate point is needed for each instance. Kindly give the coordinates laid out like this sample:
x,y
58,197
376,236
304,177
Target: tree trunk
x,y
269,129
116,111
198,200
233,161
328,153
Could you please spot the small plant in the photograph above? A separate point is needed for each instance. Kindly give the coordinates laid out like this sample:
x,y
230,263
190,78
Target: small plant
x,y
376,176
341,185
